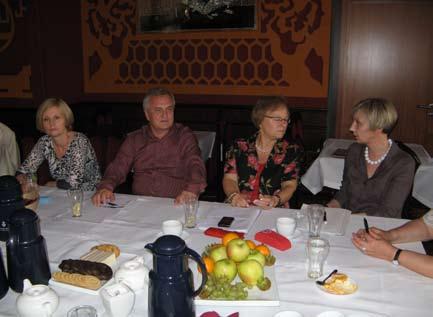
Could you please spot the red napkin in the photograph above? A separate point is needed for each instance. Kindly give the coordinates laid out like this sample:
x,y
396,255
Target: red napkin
x,y
215,314
219,233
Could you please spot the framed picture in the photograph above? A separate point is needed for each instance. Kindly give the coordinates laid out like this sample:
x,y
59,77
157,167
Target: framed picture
x,y
187,15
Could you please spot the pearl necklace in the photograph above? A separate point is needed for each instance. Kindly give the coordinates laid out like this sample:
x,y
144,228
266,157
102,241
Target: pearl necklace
x,y
262,150
380,160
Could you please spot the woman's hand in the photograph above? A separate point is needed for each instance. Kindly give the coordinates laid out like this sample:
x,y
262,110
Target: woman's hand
x,y
267,201
374,244
240,200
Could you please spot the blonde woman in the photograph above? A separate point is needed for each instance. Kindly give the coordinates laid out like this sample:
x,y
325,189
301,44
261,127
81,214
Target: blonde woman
x,y
71,158
378,175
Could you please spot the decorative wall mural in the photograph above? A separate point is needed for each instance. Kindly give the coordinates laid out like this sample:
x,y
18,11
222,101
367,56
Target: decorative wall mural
x,y
14,76
287,54
178,15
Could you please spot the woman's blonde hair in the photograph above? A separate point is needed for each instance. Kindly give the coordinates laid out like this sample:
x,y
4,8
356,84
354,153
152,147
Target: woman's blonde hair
x,y
381,113
64,109
266,104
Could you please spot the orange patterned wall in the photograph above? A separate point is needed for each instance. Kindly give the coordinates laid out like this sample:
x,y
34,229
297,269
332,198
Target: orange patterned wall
x,y
287,54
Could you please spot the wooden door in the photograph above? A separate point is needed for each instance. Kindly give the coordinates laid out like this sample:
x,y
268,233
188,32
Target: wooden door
x,y
386,50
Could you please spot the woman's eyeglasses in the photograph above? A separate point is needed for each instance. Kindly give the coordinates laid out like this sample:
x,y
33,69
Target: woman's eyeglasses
x,y
278,119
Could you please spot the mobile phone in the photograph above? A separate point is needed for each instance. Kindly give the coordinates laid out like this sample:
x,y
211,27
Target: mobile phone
x,y
225,222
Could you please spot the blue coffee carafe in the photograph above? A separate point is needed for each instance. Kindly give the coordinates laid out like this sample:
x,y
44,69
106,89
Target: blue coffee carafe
x,y
171,289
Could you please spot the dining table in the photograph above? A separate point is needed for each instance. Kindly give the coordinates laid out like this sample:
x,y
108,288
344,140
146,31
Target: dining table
x,y
384,289
327,170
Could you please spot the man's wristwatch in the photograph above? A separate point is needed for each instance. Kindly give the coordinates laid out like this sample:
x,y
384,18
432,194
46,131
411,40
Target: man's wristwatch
x,y
396,256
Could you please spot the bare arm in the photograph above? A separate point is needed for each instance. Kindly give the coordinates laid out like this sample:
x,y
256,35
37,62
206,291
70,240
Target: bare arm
x,y
378,244
230,186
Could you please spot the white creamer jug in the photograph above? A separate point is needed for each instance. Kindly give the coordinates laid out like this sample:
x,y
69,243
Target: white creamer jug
x,y
37,301
118,300
133,273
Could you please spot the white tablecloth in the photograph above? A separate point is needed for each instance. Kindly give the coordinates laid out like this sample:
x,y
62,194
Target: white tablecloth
x,y
384,290
327,170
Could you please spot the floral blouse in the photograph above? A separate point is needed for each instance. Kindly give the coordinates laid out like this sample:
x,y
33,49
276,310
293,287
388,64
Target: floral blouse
x,y
282,165
77,168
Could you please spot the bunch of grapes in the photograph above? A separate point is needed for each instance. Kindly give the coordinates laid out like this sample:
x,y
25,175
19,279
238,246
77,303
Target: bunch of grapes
x,y
220,288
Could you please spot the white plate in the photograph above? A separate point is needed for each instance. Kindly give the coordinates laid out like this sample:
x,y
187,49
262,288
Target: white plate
x,y
324,289
123,257
80,289
294,236
184,234
256,297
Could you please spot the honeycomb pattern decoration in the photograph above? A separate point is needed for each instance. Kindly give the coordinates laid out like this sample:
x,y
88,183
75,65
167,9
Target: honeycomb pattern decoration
x,y
227,62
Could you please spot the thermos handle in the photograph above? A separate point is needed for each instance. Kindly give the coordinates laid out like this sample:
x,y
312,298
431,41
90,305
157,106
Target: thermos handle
x,y
196,257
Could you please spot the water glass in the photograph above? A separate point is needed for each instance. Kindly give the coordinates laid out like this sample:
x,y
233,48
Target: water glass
x,y
317,252
190,207
76,201
315,219
83,311
30,190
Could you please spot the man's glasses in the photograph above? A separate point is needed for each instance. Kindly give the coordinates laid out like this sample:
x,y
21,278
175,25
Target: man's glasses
x,y
278,119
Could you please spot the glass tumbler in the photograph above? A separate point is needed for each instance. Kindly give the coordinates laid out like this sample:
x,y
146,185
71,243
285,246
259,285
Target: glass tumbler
x,y
76,201
317,252
315,219
190,207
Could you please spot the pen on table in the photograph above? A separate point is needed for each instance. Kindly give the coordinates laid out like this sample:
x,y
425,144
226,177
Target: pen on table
x,y
325,220
366,225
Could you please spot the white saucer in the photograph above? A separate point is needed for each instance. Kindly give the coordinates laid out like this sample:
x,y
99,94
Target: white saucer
x,y
295,234
183,235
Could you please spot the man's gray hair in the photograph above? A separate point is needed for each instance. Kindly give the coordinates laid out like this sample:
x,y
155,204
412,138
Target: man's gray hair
x,y
157,92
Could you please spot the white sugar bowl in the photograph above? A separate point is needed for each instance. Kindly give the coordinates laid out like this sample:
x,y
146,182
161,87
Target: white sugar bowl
x,y
118,300
37,301
133,273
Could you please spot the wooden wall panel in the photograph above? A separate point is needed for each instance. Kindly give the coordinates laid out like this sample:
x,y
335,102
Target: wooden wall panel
x,y
288,53
15,69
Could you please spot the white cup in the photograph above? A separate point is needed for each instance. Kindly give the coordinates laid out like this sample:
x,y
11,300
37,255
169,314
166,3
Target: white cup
x,y
286,226
288,313
173,227
118,300
331,313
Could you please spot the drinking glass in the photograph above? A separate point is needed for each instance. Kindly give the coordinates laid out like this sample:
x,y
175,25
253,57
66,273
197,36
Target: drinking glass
x,y
30,190
315,219
317,252
76,201
190,207
83,311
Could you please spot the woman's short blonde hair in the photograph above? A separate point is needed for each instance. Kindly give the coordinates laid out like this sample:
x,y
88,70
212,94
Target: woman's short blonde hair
x,y
64,110
381,113
265,105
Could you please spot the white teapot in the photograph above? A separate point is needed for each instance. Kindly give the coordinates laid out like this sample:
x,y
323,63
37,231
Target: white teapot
x,y
133,273
36,301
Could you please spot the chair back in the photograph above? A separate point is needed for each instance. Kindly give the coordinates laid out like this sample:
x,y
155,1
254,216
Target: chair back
x,y
407,206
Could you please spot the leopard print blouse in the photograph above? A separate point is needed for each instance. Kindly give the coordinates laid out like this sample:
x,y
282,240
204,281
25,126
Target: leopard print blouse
x,y
78,167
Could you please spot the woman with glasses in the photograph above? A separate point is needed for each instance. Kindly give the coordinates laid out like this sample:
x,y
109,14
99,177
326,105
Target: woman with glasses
x,y
378,175
263,169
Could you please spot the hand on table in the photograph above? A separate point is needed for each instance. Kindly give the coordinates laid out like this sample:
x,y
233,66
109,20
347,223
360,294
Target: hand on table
x,y
266,201
240,200
184,196
103,196
374,244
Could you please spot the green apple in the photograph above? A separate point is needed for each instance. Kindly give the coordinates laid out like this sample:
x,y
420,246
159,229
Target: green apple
x,y
238,250
251,273
218,252
225,269
258,256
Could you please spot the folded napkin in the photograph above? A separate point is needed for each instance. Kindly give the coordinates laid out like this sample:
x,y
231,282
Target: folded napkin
x,y
244,218
215,314
337,220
